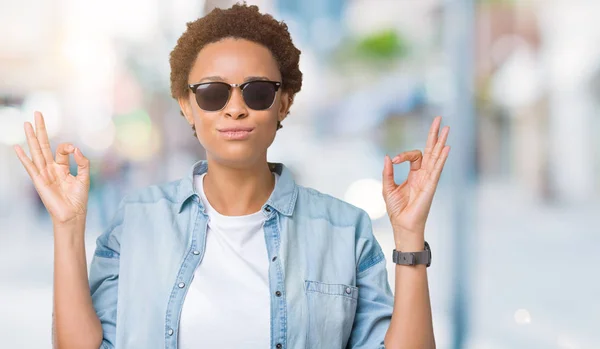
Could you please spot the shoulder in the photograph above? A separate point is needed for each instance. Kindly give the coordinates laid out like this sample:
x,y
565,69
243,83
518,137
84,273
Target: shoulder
x,y
155,193
151,194
339,212
342,216
148,200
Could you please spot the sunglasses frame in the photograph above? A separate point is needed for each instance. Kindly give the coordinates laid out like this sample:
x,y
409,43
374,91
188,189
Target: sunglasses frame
x,y
242,86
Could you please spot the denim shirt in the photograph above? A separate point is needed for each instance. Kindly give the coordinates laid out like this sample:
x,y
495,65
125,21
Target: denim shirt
x,y
327,272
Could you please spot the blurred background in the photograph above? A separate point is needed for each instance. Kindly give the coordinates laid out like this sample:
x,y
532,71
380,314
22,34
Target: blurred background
x,y
515,225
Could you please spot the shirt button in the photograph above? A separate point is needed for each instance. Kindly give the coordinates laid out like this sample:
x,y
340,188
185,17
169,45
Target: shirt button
x,y
274,259
170,331
279,346
196,252
268,209
348,290
181,285
278,293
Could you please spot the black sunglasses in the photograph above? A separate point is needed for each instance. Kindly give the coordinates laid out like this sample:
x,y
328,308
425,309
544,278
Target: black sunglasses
x,y
214,95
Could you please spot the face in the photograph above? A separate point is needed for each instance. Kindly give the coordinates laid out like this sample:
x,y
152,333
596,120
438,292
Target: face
x,y
235,61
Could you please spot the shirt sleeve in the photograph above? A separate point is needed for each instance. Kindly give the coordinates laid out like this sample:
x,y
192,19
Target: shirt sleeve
x,y
375,298
104,278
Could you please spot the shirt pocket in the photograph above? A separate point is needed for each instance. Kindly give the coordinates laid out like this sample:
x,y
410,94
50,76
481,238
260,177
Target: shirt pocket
x,y
331,310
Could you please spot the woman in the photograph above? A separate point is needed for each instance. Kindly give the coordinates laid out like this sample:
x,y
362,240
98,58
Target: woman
x,y
235,254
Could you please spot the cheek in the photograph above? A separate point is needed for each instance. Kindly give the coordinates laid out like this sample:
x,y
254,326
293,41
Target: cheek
x,y
204,127
267,128
202,118
266,117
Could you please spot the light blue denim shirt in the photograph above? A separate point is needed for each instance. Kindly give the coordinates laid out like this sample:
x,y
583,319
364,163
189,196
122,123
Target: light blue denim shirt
x,y
327,272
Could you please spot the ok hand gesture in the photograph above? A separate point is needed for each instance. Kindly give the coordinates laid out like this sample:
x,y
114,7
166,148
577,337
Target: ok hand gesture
x,y
64,195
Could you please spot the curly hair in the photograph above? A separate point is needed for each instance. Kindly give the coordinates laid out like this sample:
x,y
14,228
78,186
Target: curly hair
x,y
239,21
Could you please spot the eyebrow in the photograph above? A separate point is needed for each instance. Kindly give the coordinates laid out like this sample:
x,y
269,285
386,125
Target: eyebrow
x,y
218,78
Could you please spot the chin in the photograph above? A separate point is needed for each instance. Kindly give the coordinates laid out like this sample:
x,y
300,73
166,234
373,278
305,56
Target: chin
x,y
237,155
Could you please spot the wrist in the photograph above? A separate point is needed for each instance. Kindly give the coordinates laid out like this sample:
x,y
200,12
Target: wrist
x,y
72,228
410,243
75,221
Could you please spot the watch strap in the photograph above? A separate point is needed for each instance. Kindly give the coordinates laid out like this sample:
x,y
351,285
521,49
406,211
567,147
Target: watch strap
x,y
413,258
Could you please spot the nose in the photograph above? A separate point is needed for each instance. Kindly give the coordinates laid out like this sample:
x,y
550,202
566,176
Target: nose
x,y
236,107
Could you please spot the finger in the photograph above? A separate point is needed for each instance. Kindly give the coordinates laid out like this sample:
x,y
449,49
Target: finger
x,y
27,163
434,177
437,150
83,166
388,175
34,148
62,158
414,156
42,136
432,180
432,138
62,153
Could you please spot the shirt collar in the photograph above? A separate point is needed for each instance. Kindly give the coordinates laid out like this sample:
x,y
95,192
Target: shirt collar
x,y
282,199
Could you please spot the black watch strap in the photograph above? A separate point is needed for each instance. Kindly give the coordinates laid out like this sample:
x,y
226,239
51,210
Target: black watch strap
x,y
413,258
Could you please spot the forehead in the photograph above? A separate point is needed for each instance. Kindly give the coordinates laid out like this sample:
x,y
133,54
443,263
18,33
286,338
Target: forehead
x,y
234,59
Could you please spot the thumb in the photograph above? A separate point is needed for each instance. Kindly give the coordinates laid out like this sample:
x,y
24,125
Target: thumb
x,y
83,165
388,175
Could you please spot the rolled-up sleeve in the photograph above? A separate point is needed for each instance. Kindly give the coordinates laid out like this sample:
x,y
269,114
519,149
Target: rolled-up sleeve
x,y
104,278
375,298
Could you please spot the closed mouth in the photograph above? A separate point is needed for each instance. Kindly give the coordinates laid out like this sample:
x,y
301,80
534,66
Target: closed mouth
x,y
236,129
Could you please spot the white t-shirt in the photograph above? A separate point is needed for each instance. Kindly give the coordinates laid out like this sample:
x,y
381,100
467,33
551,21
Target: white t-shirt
x,y
228,302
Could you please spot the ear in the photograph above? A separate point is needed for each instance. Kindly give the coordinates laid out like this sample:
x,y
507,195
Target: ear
x,y
186,109
284,106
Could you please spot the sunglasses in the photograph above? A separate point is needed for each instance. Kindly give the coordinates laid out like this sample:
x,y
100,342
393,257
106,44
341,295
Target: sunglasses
x,y
257,94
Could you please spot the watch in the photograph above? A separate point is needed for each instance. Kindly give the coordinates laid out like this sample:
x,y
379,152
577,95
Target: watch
x,y
413,258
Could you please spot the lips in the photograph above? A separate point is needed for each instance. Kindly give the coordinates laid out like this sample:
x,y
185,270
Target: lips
x,y
236,133
236,129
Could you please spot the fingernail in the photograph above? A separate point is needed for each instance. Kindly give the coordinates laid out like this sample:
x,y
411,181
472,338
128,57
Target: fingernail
x,y
396,159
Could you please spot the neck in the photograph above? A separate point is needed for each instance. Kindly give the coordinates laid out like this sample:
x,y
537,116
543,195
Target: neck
x,y
238,191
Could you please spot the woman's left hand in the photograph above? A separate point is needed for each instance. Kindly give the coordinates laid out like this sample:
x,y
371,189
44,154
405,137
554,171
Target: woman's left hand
x,y
408,204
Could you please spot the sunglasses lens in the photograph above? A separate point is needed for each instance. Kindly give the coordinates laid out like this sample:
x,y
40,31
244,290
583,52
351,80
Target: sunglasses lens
x,y
259,95
212,96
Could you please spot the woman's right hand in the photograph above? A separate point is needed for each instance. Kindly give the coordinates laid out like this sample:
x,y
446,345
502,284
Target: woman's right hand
x,y
64,195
